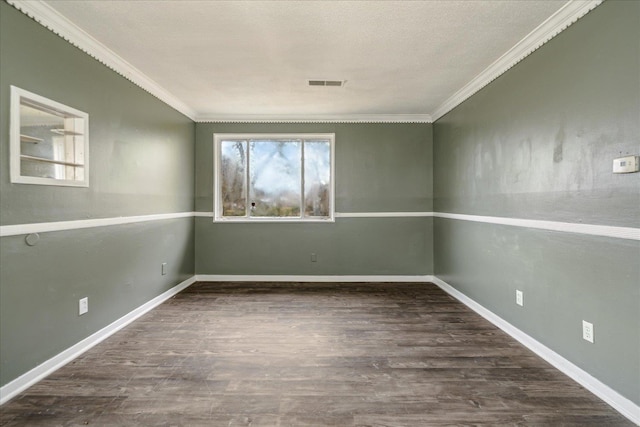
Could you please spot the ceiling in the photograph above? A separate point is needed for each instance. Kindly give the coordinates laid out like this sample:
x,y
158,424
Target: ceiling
x,y
253,59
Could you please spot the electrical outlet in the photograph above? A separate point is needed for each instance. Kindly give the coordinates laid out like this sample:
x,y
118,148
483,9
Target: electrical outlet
x,y
314,258
164,268
587,331
519,298
83,306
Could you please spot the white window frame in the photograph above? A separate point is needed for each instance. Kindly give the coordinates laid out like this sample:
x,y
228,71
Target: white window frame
x,y
15,149
217,179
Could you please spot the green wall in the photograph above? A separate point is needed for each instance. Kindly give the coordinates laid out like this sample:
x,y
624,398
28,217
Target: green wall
x,y
142,162
379,168
538,143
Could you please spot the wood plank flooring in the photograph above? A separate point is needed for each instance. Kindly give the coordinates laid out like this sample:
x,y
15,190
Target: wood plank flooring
x,y
300,354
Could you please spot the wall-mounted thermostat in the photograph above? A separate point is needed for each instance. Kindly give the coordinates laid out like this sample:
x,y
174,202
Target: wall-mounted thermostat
x,y
626,164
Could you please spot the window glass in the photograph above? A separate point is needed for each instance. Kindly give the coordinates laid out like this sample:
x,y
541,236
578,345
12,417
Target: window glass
x,y
317,178
233,171
267,177
275,172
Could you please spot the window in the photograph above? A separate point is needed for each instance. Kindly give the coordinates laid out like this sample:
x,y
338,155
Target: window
x,y
49,141
274,177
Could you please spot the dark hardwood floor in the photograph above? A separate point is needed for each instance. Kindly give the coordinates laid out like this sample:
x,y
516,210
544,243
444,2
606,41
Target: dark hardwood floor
x,y
295,354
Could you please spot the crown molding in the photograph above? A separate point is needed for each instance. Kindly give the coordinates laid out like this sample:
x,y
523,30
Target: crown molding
x,y
321,118
63,27
554,25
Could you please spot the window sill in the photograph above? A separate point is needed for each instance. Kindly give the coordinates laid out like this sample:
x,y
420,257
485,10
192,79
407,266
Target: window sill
x,y
272,220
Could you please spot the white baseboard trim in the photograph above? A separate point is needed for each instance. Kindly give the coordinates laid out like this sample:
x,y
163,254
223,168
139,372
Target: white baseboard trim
x,y
620,403
309,278
41,371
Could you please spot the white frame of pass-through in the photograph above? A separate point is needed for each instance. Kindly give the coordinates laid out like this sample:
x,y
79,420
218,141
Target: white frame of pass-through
x,y
22,97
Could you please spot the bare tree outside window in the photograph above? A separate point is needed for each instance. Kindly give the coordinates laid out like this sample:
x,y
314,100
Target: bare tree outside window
x,y
275,173
317,170
233,178
263,177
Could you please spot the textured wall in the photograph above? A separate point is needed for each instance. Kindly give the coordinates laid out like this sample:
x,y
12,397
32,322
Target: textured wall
x,y
141,157
538,143
141,150
379,168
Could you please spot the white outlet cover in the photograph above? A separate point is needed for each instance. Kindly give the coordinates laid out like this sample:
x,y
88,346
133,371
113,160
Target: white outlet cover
x,y
587,331
519,298
83,306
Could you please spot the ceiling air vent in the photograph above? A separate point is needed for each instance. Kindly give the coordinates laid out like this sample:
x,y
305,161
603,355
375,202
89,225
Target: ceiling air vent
x,y
335,83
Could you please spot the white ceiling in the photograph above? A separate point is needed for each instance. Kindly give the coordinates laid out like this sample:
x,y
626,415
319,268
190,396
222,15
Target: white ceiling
x,y
239,59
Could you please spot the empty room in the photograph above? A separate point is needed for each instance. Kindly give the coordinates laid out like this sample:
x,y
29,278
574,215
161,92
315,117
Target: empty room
x,y
319,213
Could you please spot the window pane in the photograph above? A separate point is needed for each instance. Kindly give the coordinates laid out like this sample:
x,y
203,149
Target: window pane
x,y
233,168
274,168
317,178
